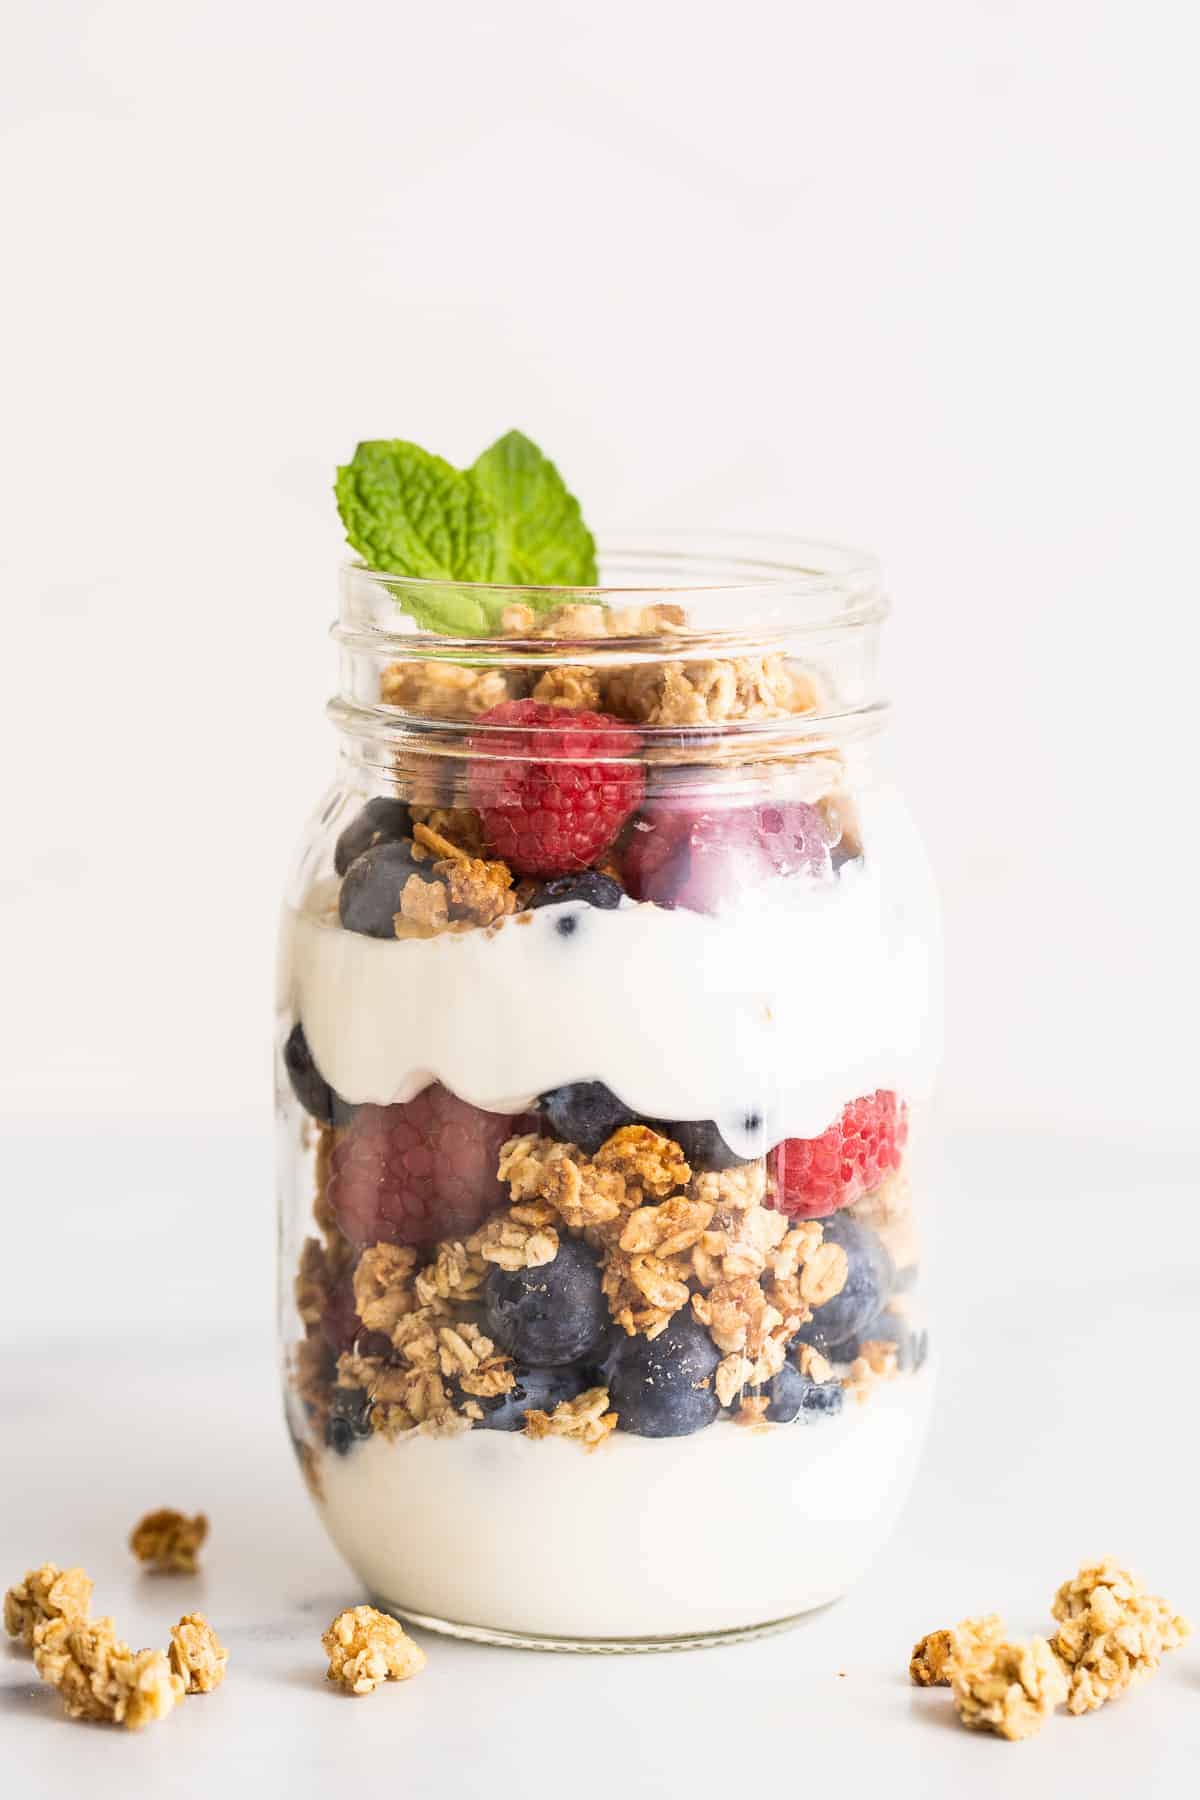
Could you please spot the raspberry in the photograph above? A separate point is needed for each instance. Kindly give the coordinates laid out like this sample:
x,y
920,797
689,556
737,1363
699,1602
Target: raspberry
x,y
417,1173
701,858
546,809
817,1176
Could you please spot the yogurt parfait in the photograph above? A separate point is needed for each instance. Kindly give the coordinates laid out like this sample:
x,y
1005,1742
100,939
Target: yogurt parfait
x,y
606,1012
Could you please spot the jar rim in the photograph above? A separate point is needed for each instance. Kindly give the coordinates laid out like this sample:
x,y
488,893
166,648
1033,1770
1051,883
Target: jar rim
x,y
766,587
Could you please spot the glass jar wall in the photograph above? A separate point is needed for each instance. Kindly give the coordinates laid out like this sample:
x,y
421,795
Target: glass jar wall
x,y
606,1013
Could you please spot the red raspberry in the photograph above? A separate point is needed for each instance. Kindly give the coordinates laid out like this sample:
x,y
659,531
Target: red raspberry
x,y
546,809
702,858
415,1174
817,1176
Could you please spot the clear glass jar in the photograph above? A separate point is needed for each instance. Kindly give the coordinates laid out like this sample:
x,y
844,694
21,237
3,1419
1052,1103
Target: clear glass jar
x,y
601,1050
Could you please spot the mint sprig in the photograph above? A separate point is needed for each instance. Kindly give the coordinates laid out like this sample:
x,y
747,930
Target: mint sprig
x,y
509,519
545,541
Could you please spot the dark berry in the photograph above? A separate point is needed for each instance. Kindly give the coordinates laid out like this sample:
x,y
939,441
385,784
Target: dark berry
x,y
555,788
554,1314
679,854
584,1113
417,1173
381,821
702,1144
791,1396
589,886
372,887
869,1280
309,1085
536,1389
587,1113
349,1419
663,1386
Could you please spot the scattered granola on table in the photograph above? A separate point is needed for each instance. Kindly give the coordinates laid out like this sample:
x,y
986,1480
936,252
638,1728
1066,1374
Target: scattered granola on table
x,y
99,1677
366,1648
1010,1689
1111,1633
197,1655
45,1594
929,1665
168,1541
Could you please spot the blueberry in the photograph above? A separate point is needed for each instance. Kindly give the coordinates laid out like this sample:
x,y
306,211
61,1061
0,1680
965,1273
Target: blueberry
x,y
554,1314
380,822
663,1387
870,1278
587,1113
584,1113
373,884
309,1085
589,886
536,1389
791,1396
349,1419
701,1142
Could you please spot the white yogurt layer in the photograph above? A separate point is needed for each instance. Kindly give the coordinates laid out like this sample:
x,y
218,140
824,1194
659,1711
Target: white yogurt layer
x,y
808,996
638,1539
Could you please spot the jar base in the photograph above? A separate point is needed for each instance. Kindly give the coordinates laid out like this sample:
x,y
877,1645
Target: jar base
x,y
634,1646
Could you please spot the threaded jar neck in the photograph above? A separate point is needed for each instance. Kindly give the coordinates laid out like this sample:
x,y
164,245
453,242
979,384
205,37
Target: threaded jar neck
x,y
694,642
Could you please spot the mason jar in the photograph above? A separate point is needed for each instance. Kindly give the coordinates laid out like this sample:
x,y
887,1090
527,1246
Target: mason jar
x,y
606,1016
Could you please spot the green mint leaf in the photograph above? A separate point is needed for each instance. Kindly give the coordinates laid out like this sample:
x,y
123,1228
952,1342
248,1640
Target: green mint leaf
x,y
408,512
544,541
508,520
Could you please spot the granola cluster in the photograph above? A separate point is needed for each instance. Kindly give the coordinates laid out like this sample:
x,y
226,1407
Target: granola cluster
x,y
366,1648
98,1676
670,1238
197,1654
445,690
667,1238
1007,1688
877,1361
439,1364
679,691
587,1419
168,1541
45,1595
932,1655
1111,1633
460,826
582,619
710,692
470,890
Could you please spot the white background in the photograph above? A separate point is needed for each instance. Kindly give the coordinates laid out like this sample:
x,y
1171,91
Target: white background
x,y
918,275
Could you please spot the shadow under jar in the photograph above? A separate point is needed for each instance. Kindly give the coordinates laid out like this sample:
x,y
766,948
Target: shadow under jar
x,y
607,1003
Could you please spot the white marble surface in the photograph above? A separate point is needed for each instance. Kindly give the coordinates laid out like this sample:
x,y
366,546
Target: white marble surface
x,y
136,1374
